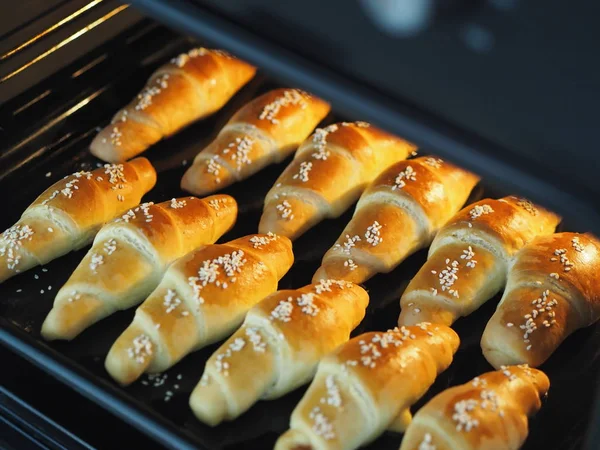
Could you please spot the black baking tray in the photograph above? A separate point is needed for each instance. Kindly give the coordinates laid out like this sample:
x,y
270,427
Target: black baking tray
x,y
49,139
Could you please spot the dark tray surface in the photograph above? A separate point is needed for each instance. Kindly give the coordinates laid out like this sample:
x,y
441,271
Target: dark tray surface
x,y
63,148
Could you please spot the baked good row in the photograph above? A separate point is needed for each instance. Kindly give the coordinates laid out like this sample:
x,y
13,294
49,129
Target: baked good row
x,y
195,292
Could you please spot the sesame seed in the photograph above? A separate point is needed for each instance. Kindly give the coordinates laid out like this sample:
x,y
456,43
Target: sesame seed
x,y
436,163
285,210
19,290
408,174
48,174
305,168
177,204
36,276
289,97
373,234
480,210
262,240
319,140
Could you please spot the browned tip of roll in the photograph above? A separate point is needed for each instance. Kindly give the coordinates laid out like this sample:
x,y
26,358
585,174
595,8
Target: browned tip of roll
x,y
130,355
226,209
145,171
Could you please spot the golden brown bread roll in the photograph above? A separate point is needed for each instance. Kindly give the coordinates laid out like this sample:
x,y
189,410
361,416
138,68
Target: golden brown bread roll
x,y
201,299
398,214
367,386
329,172
190,87
553,289
488,413
468,259
67,215
263,132
129,257
278,348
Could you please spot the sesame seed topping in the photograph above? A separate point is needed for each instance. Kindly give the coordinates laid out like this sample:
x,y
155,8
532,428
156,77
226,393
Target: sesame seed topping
x,y
36,276
115,137
142,348
480,210
285,210
48,174
350,264
259,241
510,324
334,397
527,206
177,204
564,261
507,373
171,301
214,168
462,416
210,271
577,245
131,214
325,285
320,141
256,340
95,261
242,147
223,366
289,97
426,443
370,351
541,305
373,235
216,203
181,60
348,244
479,382
11,241
306,301
110,246
434,162
305,168
405,175
321,425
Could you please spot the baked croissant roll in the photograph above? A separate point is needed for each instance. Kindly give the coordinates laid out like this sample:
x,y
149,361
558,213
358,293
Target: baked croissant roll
x,y
190,87
468,259
278,348
263,132
129,257
329,172
553,289
488,413
367,386
398,214
67,215
202,298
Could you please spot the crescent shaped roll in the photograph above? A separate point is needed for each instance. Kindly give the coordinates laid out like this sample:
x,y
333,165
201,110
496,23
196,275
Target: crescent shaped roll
x,y
488,413
468,259
201,299
367,386
278,347
329,172
553,289
129,257
265,131
398,214
190,87
67,215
